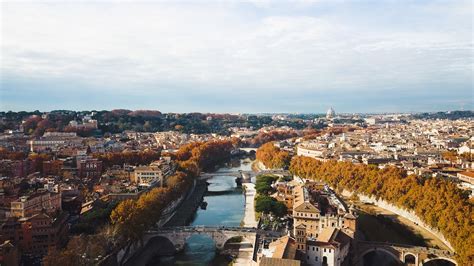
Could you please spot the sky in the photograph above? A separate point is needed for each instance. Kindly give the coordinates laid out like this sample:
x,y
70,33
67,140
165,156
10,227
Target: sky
x,y
297,56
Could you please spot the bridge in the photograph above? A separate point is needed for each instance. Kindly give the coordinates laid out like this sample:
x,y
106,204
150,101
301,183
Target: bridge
x,y
245,175
220,234
170,240
404,254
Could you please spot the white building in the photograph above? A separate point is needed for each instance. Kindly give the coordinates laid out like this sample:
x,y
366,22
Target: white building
x,y
146,176
330,113
330,248
314,150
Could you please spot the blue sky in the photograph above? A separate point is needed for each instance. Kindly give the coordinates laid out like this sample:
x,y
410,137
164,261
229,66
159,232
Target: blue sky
x,y
231,56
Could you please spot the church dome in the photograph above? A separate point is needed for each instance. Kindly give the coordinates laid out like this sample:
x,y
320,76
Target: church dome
x,y
330,113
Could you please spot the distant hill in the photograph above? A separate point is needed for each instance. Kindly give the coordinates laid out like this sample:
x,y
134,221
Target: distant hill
x,y
451,115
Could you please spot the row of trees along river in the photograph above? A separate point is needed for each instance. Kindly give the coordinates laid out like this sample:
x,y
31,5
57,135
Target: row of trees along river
x,y
438,202
131,218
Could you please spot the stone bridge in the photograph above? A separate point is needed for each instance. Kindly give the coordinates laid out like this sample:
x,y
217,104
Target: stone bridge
x,y
170,240
404,254
220,234
246,175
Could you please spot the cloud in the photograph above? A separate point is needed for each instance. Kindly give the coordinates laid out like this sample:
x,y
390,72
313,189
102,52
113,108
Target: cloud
x,y
215,48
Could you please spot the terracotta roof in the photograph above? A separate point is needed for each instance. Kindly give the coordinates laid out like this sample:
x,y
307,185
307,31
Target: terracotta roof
x,y
327,234
342,238
279,262
306,207
285,248
467,173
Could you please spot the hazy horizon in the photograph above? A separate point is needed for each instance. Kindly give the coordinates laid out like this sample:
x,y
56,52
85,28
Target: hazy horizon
x,y
238,57
243,113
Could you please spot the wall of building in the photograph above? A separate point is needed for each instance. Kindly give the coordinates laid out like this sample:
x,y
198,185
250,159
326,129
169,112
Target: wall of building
x,y
330,254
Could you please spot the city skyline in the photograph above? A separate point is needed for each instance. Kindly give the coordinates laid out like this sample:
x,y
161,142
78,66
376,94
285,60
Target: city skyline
x,y
235,57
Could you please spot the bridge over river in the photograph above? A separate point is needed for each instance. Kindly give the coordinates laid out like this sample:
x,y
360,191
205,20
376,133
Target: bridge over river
x,y
403,254
176,238
245,175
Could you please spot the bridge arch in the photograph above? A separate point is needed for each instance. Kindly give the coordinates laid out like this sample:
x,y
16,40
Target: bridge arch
x,y
230,239
177,245
219,236
426,261
410,258
209,235
374,249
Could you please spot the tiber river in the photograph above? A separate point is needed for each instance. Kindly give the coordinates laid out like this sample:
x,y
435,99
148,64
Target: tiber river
x,y
228,209
223,209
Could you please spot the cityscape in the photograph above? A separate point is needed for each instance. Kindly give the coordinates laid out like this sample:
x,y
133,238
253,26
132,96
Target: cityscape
x,y
273,133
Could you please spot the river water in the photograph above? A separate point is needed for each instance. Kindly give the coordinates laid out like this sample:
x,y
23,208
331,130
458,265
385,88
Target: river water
x,y
226,208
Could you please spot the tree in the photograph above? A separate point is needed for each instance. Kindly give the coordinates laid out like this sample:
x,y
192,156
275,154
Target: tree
x,y
263,184
279,209
272,157
431,199
264,204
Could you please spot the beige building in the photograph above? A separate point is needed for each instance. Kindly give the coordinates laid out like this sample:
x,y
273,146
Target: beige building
x,y
28,206
279,252
466,177
147,176
323,225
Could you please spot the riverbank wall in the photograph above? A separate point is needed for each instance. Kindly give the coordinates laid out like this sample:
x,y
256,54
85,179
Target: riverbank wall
x,y
185,212
407,214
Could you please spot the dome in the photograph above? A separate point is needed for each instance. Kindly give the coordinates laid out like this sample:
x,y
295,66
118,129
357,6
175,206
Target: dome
x,y
330,113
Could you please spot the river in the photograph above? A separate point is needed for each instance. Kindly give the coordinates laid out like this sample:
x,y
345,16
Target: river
x,y
222,209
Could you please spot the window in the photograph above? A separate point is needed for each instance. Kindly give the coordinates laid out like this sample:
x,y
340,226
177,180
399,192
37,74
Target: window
x,y
316,258
324,250
313,248
317,249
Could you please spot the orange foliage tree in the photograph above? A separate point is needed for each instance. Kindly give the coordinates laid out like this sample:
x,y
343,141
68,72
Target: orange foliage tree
x,y
273,157
438,202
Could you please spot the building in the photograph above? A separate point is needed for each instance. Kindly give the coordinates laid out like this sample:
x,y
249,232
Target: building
x,y
315,150
88,167
146,176
282,251
37,234
41,201
467,177
52,167
330,248
53,141
86,124
316,207
323,225
156,172
330,114
9,254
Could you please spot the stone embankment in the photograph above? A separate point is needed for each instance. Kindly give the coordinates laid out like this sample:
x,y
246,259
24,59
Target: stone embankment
x,y
247,249
407,214
186,210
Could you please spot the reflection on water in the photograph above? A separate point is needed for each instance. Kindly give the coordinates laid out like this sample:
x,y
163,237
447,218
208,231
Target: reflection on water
x,y
439,262
199,250
221,183
223,209
380,258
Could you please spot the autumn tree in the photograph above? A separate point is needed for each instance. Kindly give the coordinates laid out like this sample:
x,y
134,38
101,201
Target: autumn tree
x,y
272,156
438,202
